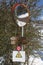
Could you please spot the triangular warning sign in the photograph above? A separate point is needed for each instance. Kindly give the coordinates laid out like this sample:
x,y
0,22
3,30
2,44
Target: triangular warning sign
x,y
18,55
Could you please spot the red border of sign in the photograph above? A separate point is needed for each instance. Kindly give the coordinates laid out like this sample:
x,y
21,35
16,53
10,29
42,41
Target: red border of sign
x,y
17,4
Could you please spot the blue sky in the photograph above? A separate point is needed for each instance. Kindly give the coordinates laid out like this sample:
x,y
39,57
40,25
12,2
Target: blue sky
x,y
39,3
41,16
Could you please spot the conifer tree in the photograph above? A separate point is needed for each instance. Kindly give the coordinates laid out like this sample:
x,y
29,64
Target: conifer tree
x,y
9,28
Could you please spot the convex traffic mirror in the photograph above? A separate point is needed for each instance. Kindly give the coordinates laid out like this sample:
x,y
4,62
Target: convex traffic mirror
x,y
21,14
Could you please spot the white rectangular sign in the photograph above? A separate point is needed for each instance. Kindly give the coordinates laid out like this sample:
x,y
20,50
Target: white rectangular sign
x,y
18,56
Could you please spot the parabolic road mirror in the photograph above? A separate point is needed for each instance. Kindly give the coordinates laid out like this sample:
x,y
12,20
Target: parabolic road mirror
x,y
21,13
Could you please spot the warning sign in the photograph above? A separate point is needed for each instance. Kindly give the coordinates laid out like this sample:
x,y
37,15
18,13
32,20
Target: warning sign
x,y
18,56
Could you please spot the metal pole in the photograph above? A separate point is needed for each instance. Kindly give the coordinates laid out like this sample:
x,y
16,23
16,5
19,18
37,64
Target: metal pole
x,y
22,35
22,44
22,31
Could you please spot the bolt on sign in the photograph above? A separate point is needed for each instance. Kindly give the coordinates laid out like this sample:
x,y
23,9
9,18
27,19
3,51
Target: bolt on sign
x,y
18,56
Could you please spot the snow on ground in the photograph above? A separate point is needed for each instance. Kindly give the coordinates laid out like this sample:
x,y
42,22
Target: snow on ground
x,y
35,60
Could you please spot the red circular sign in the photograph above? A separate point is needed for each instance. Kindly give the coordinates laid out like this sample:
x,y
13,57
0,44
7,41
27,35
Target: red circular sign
x,y
16,5
18,48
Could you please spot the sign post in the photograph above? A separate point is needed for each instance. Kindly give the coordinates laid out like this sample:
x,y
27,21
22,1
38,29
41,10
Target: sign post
x,y
22,31
22,17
